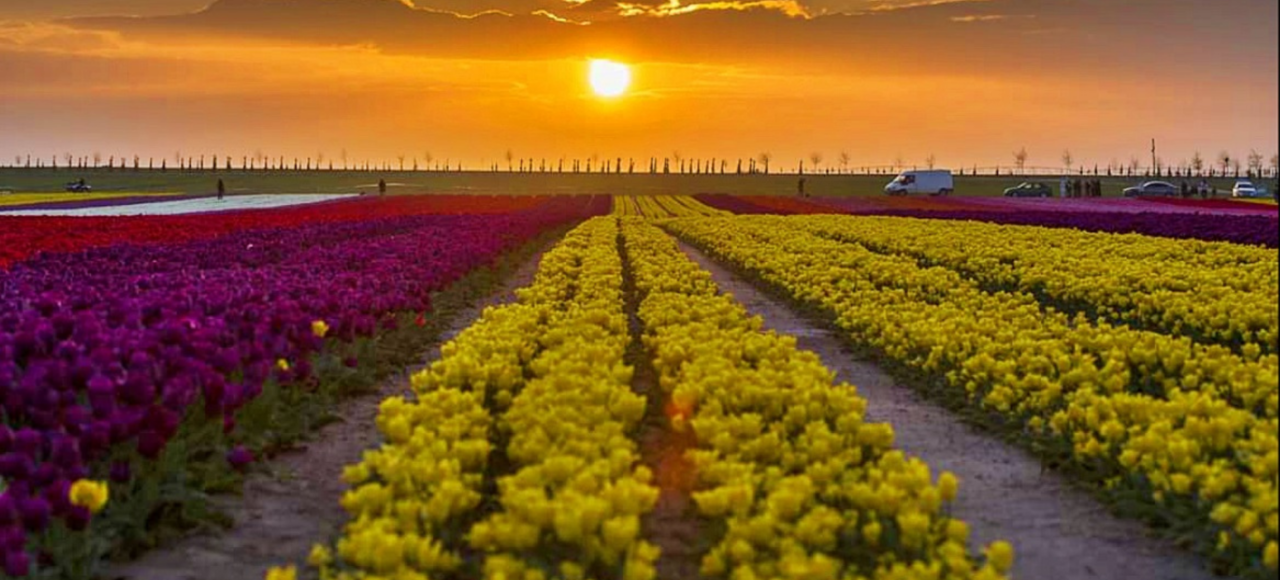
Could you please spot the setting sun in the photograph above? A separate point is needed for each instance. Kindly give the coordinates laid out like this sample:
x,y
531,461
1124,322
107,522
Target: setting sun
x,y
609,79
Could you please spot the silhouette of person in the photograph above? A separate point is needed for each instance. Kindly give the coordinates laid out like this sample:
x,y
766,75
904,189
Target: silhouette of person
x,y
800,186
222,189
382,187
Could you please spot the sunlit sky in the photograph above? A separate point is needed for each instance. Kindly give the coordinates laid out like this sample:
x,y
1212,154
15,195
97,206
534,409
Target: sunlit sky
x,y
967,81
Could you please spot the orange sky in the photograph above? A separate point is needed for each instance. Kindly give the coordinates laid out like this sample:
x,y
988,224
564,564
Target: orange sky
x,y
964,80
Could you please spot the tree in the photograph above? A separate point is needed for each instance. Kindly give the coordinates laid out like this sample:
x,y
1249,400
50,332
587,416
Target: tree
x,y
1134,164
1235,165
765,159
1275,164
428,158
898,162
816,159
400,158
1224,161
1255,162
1197,163
1020,159
510,157
1068,160
931,161
845,159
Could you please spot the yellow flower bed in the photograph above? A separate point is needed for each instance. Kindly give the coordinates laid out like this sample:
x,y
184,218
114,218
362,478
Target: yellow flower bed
x,y
543,378
662,206
1188,430
805,488
34,198
1210,291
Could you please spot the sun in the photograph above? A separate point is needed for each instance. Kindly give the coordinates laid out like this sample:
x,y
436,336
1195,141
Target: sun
x,y
609,78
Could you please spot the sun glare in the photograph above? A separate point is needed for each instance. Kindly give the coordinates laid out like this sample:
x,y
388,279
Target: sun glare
x,y
609,79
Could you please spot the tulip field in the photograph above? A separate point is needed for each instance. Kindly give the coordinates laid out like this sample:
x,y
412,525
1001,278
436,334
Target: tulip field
x,y
156,355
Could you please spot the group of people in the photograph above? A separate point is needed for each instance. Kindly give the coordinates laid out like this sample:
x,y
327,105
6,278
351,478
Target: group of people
x,y
1081,187
1202,189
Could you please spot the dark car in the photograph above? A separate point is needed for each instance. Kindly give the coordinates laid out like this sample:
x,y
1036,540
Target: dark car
x,y
1029,189
1155,188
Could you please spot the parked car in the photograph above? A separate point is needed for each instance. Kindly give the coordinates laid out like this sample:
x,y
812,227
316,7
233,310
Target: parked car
x,y
1244,189
1157,188
1029,189
932,182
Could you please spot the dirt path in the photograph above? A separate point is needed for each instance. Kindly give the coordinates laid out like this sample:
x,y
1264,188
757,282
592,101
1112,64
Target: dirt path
x,y
1059,531
673,525
283,513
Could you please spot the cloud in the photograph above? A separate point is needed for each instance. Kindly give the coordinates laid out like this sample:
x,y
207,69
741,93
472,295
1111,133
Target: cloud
x,y
790,8
970,18
890,5
556,18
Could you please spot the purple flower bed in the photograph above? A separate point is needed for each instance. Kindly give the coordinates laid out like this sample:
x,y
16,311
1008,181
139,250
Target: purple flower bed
x,y
1240,229
1258,230
106,354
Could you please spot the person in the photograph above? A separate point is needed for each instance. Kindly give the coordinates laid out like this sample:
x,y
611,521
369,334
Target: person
x,y
1065,193
222,189
801,187
382,187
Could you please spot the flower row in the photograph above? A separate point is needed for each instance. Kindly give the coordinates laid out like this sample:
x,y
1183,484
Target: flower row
x,y
23,237
1133,360
662,206
1150,418
108,356
785,463
532,401
1210,292
75,200
1242,224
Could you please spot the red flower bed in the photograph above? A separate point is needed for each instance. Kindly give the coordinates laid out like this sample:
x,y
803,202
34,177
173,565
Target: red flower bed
x,y
758,204
22,237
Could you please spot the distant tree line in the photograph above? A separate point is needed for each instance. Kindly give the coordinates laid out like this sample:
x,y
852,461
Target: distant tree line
x,y
1253,165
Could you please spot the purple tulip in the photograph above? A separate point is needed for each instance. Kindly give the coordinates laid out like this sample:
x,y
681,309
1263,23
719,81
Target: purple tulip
x,y
120,472
102,396
78,517
58,494
239,457
16,466
65,451
17,563
150,444
44,474
28,442
35,513
8,510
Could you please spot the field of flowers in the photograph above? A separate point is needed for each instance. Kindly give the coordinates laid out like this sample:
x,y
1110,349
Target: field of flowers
x,y
1176,426
516,456
147,362
1209,220
150,359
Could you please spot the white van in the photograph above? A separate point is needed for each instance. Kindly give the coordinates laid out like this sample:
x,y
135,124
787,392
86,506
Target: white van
x,y
932,182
